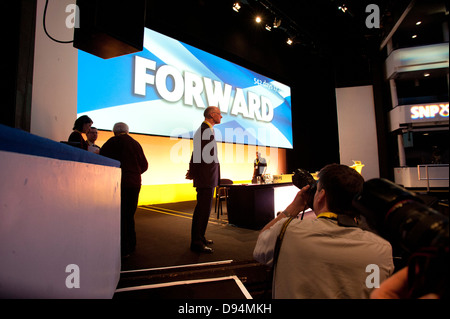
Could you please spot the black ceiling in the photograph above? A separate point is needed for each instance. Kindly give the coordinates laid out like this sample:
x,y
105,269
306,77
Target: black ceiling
x,y
321,30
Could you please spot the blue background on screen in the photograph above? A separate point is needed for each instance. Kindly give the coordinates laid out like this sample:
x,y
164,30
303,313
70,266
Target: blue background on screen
x,y
106,94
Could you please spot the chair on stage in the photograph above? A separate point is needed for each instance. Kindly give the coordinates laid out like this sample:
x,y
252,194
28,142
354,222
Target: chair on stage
x,y
221,195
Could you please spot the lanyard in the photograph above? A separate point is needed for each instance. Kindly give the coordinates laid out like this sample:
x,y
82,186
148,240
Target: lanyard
x,y
328,215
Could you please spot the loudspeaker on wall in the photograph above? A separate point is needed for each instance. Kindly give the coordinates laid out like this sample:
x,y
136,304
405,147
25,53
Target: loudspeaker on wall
x,y
110,28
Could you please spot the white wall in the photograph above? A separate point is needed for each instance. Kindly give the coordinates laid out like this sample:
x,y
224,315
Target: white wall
x,y
53,216
54,97
357,128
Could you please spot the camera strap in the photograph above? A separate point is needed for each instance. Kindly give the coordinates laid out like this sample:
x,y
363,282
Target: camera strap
x,y
280,237
276,251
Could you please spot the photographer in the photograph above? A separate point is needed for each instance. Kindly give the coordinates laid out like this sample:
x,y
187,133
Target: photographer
x,y
324,257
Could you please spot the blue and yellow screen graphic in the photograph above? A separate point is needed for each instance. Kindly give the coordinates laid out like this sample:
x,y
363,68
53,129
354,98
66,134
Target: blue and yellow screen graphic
x,y
164,89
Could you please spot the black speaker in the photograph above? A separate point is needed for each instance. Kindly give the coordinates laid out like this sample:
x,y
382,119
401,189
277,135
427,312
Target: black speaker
x,y
110,28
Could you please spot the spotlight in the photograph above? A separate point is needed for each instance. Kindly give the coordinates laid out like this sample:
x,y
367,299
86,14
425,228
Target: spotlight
x,y
418,22
268,27
289,41
276,23
258,19
343,8
236,7
414,36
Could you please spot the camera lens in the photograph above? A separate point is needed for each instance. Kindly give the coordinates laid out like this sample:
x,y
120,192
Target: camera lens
x,y
414,225
400,216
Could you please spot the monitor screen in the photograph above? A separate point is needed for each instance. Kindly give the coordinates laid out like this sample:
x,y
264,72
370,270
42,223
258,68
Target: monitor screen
x,y
164,90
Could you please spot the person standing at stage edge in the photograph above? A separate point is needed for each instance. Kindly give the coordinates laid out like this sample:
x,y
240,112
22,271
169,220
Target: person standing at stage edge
x,y
204,169
128,151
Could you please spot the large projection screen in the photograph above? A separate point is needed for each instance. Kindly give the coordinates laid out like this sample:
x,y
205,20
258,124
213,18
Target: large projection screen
x,y
164,89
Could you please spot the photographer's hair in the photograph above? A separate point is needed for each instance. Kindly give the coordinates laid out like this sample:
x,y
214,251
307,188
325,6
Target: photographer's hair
x,y
341,184
79,122
120,127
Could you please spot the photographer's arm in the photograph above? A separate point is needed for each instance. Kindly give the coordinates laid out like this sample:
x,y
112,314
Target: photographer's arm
x,y
294,208
267,238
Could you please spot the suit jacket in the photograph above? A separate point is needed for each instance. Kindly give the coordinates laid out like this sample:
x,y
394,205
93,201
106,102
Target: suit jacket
x,y
129,152
204,166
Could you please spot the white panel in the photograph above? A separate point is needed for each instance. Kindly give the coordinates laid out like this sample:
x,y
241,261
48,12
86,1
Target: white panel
x,y
55,213
409,176
357,129
54,103
282,197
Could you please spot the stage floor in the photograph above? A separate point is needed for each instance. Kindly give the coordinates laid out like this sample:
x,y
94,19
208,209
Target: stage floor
x,y
163,238
163,250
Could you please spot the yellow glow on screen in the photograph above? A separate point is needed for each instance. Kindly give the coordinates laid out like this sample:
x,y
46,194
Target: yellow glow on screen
x,y
168,160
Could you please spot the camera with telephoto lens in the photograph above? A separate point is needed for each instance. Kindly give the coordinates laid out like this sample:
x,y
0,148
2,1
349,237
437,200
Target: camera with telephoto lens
x,y
416,231
301,178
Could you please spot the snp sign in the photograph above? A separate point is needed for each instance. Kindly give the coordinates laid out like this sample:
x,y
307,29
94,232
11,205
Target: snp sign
x,y
429,111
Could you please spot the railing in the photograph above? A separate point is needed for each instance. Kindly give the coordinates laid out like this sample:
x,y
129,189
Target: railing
x,y
427,176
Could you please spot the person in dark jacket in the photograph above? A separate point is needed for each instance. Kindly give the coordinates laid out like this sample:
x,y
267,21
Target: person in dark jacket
x,y
81,125
128,151
204,169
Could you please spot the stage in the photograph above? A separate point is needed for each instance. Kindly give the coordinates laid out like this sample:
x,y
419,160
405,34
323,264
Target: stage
x,y
163,257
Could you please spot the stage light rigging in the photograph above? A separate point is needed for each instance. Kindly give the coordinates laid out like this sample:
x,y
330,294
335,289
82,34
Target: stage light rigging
x,y
281,22
343,8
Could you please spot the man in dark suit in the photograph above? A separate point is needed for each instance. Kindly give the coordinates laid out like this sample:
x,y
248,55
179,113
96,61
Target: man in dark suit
x,y
204,169
128,151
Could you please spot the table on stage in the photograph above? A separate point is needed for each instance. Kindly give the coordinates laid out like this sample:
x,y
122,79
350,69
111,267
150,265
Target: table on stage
x,y
254,205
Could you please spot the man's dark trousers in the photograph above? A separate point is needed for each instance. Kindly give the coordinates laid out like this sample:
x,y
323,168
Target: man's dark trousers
x,y
129,202
201,216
